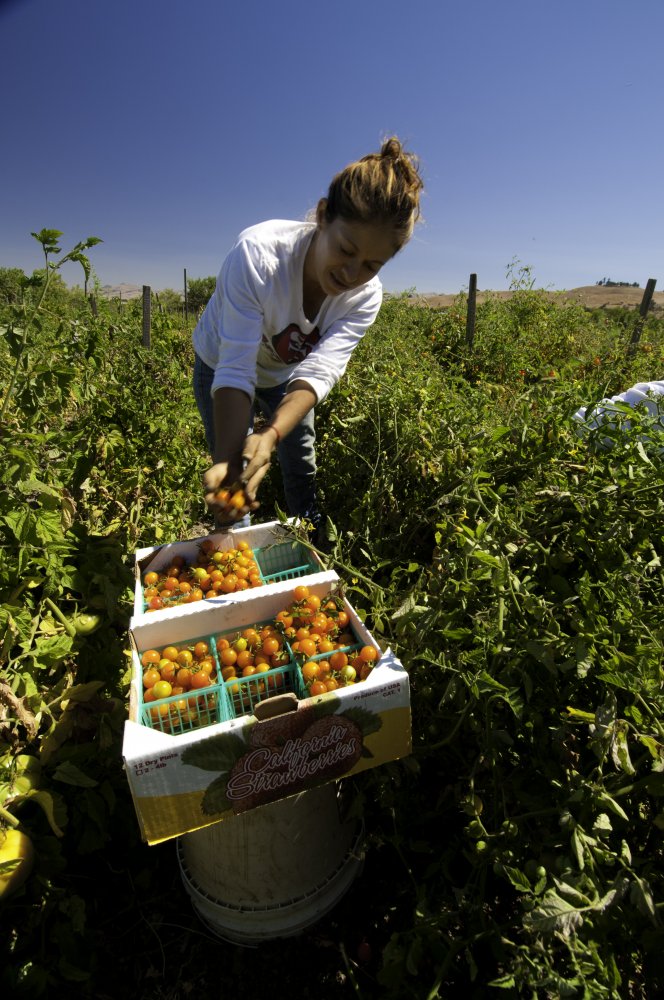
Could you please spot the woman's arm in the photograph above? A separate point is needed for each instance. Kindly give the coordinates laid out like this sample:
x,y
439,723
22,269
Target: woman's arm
x,y
232,409
231,415
258,448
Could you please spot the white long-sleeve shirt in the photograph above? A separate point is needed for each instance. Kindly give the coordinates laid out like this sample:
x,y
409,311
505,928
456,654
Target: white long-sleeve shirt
x,y
253,331
638,393
650,394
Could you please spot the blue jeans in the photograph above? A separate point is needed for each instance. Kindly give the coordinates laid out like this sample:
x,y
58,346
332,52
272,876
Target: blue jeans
x,y
296,453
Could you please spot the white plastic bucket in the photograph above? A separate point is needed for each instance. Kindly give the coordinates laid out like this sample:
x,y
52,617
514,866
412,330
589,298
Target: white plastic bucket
x,y
273,871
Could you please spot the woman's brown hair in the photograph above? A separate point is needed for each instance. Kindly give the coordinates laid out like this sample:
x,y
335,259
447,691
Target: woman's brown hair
x,y
381,188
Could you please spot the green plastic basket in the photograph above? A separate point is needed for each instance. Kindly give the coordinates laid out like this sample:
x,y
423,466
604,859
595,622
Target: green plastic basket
x,y
182,713
193,709
243,693
299,659
276,562
285,561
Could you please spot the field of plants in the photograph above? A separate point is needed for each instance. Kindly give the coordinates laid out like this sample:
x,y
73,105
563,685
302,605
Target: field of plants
x,y
514,566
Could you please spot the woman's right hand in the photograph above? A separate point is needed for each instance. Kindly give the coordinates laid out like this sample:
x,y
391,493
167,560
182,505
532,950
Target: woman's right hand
x,y
257,456
225,493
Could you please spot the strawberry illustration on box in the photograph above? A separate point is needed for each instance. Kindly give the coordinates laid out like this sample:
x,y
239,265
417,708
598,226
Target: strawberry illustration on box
x,y
271,758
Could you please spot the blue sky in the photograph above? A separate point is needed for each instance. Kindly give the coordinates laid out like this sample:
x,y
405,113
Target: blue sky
x,y
166,128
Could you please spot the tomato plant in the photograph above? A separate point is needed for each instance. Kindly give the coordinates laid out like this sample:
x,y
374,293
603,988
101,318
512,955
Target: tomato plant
x,y
514,568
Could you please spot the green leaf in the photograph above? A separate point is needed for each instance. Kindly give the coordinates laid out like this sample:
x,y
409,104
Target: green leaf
x,y
642,452
505,982
602,824
655,749
642,897
517,878
405,607
48,239
53,807
456,634
28,486
69,774
620,750
218,753
604,799
82,692
49,650
487,558
578,848
553,914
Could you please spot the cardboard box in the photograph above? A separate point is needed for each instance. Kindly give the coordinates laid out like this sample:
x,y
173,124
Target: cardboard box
x,y
279,555
185,782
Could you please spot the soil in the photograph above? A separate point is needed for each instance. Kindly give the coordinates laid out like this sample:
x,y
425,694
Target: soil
x,y
590,296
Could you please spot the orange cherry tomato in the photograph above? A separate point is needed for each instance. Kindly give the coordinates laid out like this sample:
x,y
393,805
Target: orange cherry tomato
x,y
200,680
150,677
150,656
310,671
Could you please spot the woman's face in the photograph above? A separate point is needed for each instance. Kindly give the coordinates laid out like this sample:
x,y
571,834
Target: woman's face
x,y
345,255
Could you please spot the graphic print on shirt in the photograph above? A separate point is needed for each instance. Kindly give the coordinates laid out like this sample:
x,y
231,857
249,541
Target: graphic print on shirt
x,y
291,345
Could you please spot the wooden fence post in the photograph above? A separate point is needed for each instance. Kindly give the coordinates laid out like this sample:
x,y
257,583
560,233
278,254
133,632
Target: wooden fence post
x,y
643,310
186,302
146,316
470,316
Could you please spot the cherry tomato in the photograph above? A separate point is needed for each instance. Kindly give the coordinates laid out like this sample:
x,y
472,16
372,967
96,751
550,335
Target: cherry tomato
x,y
200,680
310,671
167,669
162,689
308,647
270,646
338,660
183,677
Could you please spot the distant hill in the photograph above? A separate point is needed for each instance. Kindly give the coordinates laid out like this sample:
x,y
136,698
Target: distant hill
x,y
590,296
124,290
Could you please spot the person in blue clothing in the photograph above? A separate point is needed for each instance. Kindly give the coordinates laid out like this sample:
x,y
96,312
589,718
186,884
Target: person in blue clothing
x,y
292,301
